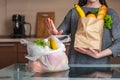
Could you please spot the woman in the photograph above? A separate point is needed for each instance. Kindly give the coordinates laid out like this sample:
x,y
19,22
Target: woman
x,y
89,56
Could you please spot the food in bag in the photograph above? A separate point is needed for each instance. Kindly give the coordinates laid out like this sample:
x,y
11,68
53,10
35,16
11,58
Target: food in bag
x,y
91,15
79,10
90,29
53,44
100,15
50,43
47,55
102,12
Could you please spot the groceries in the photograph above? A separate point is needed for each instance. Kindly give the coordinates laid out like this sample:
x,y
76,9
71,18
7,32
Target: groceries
x,y
90,28
101,12
40,47
49,43
46,55
53,44
91,15
79,10
107,20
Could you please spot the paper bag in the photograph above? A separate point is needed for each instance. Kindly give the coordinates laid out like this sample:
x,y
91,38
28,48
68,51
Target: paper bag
x,y
89,33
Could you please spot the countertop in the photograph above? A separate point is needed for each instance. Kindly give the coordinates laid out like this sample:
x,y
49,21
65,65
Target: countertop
x,y
64,38
16,39
8,40
76,72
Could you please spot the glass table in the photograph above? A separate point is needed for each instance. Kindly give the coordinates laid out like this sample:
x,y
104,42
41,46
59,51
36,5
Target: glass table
x,y
76,72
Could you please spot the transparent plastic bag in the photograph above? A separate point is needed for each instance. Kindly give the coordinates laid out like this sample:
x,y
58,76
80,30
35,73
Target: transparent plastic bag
x,y
46,60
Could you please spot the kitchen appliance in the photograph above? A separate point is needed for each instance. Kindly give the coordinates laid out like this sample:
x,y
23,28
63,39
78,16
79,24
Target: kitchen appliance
x,y
20,26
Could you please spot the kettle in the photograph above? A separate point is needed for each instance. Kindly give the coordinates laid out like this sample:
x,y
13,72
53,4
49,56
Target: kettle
x,y
21,28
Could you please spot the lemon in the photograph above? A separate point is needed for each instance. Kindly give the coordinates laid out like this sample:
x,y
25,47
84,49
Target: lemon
x,y
53,44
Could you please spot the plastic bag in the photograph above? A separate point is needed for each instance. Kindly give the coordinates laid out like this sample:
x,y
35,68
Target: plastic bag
x,y
46,60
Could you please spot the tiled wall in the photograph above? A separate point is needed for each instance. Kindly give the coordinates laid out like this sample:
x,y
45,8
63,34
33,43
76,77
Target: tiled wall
x,y
29,8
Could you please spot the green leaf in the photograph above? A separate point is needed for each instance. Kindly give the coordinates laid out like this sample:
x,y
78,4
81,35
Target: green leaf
x,y
40,42
107,21
96,11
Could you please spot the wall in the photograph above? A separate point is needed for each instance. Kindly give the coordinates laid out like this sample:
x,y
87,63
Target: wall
x,y
2,17
114,5
29,8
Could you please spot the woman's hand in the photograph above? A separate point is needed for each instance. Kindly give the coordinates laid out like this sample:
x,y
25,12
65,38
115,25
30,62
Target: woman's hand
x,y
88,51
94,53
51,27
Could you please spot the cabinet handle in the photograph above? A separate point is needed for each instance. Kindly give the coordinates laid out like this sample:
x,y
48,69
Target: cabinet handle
x,y
7,45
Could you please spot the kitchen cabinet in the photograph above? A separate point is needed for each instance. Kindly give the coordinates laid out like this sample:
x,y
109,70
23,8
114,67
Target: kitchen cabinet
x,y
11,53
22,51
8,54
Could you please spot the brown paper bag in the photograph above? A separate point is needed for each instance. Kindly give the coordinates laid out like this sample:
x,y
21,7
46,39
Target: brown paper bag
x,y
89,33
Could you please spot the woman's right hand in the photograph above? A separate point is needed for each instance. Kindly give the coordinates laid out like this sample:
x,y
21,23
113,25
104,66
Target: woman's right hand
x,y
51,27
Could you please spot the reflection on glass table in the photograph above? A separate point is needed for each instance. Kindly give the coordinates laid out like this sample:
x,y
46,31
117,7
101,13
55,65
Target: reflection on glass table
x,y
83,71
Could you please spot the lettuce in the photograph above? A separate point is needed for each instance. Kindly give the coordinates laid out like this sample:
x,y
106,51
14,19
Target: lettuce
x,y
107,20
40,42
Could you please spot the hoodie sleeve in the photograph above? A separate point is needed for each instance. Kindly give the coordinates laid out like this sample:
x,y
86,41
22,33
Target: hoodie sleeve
x,y
65,25
115,48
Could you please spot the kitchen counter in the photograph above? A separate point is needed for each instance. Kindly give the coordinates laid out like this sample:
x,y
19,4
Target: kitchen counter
x,y
81,72
63,38
15,39
2,40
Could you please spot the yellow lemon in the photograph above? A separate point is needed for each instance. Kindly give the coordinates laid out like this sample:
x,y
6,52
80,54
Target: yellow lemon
x,y
53,44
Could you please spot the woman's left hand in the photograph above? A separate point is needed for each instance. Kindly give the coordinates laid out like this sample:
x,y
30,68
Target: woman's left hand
x,y
88,51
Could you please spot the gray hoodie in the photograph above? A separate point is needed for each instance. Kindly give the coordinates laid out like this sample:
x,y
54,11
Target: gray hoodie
x,y
69,25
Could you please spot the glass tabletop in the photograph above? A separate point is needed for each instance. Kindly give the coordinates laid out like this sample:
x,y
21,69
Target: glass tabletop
x,y
83,71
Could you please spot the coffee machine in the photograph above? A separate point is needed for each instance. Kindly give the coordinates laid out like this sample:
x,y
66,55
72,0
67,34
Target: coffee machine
x,y
19,29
